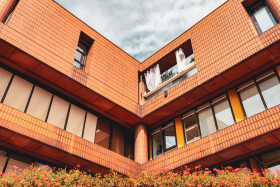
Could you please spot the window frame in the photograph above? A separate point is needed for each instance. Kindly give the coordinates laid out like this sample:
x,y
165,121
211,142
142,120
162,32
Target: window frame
x,y
161,130
250,10
255,81
84,54
209,104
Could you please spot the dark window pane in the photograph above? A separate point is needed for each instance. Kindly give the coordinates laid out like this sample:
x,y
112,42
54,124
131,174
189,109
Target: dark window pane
x,y
118,141
270,89
271,160
129,145
157,146
82,48
263,17
206,121
223,114
170,137
102,136
251,101
191,129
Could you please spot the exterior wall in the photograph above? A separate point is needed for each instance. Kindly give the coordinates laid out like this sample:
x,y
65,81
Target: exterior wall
x,y
49,33
56,145
221,40
229,143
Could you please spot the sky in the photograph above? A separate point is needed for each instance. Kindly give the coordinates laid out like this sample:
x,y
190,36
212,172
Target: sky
x,y
140,27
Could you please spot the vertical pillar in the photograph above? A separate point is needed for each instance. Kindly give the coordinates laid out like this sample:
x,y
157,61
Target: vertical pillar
x,y
179,132
255,165
141,144
6,7
236,105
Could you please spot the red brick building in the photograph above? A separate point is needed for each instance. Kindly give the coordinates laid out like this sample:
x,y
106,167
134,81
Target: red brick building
x,y
69,96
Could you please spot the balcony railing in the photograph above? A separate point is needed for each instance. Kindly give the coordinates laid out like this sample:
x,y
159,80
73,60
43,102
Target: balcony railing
x,y
170,76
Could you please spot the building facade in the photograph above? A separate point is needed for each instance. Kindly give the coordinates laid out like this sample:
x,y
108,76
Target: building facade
x,y
69,96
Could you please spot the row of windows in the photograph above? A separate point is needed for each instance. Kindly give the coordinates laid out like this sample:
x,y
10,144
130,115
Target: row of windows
x,y
256,95
33,100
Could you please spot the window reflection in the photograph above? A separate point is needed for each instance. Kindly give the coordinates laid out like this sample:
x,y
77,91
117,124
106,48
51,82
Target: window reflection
x,y
170,137
251,101
191,129
206,121
157,145
223,114
270,89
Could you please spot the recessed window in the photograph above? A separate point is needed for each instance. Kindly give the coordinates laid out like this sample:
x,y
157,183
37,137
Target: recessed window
x,y
260,94
82,51
262,16
163,139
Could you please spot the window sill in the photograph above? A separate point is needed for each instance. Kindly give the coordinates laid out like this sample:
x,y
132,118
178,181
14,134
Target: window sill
x,y
190,66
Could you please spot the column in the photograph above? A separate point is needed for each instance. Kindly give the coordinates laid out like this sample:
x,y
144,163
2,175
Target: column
x,y
179,132
141,144
236,105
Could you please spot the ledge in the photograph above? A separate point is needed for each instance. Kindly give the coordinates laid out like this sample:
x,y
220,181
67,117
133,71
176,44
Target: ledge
x,y
190,66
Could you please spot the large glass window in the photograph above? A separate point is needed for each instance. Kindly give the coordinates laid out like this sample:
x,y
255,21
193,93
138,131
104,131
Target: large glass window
x,y
39,110
118,140
191,128
76,119
262,17
270,89
90,127
102,136
251,100
5,78
223,114
169,137
157,143
18,94
58,112
206,122
163,139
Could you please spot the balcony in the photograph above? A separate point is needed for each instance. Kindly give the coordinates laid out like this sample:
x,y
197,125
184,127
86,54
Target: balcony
x,y
171,77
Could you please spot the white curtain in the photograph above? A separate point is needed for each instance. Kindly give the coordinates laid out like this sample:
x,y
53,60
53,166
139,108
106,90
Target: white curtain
x,y
181,60
153,78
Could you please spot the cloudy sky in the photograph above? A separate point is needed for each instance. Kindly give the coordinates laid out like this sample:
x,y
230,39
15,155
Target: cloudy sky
x,y
140,27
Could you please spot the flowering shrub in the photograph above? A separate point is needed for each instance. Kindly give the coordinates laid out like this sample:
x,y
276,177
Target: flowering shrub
x,y
46,176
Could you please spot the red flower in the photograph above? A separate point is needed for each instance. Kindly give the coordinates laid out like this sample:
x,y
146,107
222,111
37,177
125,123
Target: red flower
x,y
264,180
267,170
197,167
78,166
229,168
274,182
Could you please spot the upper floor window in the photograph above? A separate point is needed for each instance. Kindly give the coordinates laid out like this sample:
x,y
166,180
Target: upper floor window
x,y
260,94
262,16
163,139
82,50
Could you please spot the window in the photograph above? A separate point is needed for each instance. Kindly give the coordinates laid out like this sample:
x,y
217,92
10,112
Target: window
x,y
58,112
163,139
223,113
271,160
90,127
262,16
9,11
39,110
102,136
76,120
5,78
82,51
18,93
191,127
260,94
207,119
118,140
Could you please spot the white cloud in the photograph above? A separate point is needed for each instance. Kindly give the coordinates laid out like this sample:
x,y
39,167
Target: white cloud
x,y
140,27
